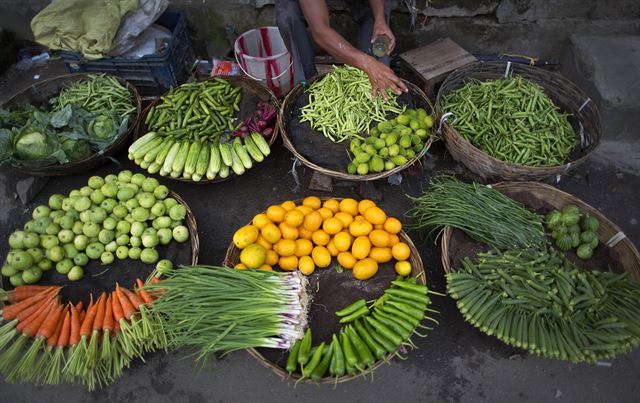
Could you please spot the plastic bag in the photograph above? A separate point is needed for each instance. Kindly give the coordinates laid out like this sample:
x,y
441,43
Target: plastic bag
x,y
134,24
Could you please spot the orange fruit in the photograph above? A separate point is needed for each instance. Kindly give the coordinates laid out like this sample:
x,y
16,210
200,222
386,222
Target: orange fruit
x,y
288,262
349,206
271,233
332,204
321,256
392,225
288,205
360,228
240,266
260,220
265,267
285,247
379,238
347,260
264,243
342,241
276,213
303,247
312,201
272,258
332,226
288,232
364,205
378,226
294,218
305,209
393,239
380,255
320,237
361,247
345,218
375,215
325,213
304,233
306,265
359,217
403,268
401,251
365,269
312,221
331,247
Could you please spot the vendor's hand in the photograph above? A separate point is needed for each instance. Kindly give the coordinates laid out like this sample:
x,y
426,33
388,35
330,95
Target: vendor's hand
x,y
382,77
381,28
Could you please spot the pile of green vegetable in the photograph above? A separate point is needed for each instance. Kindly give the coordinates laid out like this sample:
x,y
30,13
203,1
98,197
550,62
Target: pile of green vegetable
x,y
86,117
540,301
340,104
368,336
483,213
570,230
191,133
511,119
123,216
391,143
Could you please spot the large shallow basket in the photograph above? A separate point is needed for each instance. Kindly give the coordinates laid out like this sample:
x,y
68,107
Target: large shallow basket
x,y
614,246
252,92
39,95
417,270
288,113
564,94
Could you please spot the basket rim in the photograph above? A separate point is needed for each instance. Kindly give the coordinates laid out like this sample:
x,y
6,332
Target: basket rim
x,y
344,175
448,230
449,129
60,168
141,126
421,278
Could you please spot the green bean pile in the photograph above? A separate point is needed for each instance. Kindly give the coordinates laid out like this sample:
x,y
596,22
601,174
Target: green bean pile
x,y
98,93
543,303
340,104
196,111
512,120
483,213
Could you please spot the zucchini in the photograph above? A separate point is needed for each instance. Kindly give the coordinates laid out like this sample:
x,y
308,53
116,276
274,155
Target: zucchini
x,y
192,158
236,164
168,162
253,149
203,161
142,141
224,171
214,162
225,154
178,164
242,153
261,143
142,151
164,152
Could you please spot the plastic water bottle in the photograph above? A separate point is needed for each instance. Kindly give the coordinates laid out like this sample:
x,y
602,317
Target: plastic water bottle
x,y
380,46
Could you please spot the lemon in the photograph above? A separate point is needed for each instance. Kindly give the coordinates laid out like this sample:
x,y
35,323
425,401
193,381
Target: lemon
x,y
253,256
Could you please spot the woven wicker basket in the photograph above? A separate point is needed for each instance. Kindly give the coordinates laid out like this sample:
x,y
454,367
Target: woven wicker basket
x,y
232,257
249,86
566,95
191,224
548,197
40,93
286,114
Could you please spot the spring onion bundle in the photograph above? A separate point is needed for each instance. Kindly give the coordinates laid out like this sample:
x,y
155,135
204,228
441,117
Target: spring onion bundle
x,y
483,213
340,104
219,309
540,301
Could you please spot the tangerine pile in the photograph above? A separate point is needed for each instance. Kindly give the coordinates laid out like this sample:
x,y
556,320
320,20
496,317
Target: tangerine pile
x,y
305,237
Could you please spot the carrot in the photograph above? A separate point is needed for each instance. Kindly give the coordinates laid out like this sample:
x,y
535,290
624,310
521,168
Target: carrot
x,y
107,324
30,310
23,292
100,313
146,297
118,312
155,280
87,323
35,315
74,336
53,339
65,332
49,325
134,299
79,306
9,312
128,309
32,328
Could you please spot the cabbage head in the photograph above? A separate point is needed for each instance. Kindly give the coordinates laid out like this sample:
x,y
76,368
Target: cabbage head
x,y
33,144
76,149
103,127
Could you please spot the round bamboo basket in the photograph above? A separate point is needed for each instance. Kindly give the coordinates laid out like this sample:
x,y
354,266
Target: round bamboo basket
x,y
249,86
286,114
417,270
190,222
548,198
39,95
564,94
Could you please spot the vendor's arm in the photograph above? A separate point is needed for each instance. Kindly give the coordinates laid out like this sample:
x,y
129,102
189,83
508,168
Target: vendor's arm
x,y
381,76
380,26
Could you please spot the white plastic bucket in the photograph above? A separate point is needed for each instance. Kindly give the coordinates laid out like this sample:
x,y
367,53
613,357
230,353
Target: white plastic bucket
x,y
263,56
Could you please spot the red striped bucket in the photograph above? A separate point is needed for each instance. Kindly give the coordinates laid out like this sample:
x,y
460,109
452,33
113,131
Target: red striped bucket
x,y
263,56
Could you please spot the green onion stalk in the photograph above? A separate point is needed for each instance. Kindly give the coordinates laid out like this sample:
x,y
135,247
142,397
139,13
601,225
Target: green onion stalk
x,y
220,309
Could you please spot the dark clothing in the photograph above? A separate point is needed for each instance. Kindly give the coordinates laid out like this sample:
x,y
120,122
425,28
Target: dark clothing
x,y
293,28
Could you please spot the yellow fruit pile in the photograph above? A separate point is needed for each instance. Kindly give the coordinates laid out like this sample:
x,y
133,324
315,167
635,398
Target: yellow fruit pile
x,y
358,234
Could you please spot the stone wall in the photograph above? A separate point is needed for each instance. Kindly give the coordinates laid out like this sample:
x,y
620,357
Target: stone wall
x,y
535,27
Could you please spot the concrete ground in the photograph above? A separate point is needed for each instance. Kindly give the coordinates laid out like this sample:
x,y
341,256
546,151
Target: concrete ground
x,y
455,363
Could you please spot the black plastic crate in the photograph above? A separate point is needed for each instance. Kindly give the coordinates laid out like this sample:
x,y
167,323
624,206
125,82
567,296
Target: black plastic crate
x,y
153,74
